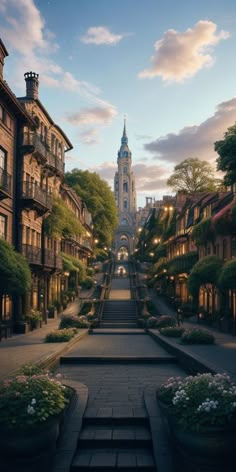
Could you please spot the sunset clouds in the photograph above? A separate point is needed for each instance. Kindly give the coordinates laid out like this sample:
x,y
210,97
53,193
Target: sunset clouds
x,y
179,56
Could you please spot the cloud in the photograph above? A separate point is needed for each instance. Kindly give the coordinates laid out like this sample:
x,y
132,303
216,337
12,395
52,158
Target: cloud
x,y
197,140
179,56
24,27
101,35
90,136
24,30
88,116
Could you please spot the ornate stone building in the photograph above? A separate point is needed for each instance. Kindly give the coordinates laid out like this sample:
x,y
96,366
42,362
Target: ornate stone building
x,y
125,197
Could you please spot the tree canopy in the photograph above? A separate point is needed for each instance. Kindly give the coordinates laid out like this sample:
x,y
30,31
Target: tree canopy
x,y
204,273
99,200
62,221
15,275
226,149
192,175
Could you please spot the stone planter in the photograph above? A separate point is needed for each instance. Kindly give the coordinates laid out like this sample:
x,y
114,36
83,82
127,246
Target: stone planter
x,y
210,450
30,450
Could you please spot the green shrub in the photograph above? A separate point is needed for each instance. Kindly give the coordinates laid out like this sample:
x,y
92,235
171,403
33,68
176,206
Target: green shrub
x,y
151,322
87,283
57,304
197,336
172,331
69,321
165,320
60,335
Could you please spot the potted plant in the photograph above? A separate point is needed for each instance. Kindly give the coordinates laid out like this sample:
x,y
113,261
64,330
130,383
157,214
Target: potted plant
x,y
201,414
31,406
34,318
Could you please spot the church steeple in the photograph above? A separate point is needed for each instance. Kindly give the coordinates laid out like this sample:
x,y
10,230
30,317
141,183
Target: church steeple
x,y
124,139
124,149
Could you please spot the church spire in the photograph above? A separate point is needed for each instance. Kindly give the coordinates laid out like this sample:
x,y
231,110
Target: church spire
x,y
124,139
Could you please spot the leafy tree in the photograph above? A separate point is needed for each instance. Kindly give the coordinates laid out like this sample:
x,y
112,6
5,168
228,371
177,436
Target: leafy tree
x,y
62,221
15,275
226,148
99,200
192,175
205,274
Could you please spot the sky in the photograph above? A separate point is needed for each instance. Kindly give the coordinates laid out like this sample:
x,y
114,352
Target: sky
x,y
167,65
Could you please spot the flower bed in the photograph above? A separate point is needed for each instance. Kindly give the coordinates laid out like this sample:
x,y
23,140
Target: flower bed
x,y
197,336
172,331
60,335
26,401
200,401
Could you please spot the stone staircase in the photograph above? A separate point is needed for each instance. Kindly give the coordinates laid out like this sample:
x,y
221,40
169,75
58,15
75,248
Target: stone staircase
x,y
119,314
114,440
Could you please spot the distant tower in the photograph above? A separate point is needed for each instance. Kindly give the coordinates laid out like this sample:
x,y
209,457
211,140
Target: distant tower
x,y
125,197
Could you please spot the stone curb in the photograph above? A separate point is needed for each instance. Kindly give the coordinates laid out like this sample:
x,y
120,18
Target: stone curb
x,y
190,362
52,359
68,440
162,450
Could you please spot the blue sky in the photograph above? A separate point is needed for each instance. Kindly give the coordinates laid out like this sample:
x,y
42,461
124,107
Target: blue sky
x,y
169,66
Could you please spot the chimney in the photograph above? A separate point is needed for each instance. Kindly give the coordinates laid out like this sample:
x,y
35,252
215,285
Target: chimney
x,y
32,84
3,54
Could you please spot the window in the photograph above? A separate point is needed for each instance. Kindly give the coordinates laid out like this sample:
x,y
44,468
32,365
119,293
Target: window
x,y
3,226
3,159
224,248
233,247
125,204
125,187
125,170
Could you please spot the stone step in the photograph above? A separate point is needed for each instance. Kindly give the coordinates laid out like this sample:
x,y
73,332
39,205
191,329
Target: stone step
x,y
118,331
134,459
108,436
117,325
117,359
116,416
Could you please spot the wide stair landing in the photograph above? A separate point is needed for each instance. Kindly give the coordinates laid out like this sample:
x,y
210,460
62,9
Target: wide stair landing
x,y
119,314
114,439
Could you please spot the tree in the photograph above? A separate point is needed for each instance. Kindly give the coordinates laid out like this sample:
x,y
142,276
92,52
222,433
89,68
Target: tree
x,y
205,274
226,149
192,175
99,200
15,275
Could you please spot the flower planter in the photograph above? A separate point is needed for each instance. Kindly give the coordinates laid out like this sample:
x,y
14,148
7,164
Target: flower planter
x,y
29,450
206,450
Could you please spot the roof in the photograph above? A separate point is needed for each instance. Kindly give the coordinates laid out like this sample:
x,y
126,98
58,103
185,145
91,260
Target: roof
x,y
13,102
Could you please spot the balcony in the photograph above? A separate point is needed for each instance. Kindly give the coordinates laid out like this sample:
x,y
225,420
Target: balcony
x,y
32,143
54,163
35,197
58,262
33,254
5,184
49,258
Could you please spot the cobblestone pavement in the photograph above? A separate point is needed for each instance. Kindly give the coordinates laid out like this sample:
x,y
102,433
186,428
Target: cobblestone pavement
x,y
119,385
117,345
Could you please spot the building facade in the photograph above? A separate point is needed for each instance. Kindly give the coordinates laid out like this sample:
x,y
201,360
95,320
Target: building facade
x,y
125,197
33,190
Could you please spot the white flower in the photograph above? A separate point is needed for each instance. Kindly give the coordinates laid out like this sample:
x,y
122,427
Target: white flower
x,y
33,401
30,410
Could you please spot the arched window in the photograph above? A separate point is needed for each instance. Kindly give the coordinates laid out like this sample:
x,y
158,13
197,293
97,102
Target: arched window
x,y
125,187
125,204
125,170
